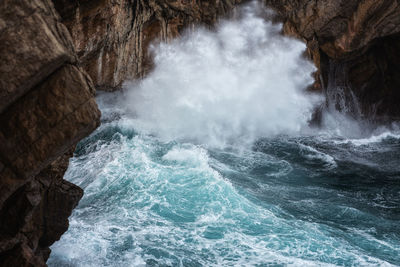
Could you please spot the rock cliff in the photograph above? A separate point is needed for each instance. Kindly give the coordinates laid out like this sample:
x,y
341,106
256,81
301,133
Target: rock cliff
x,y
46,106
356,47
113,37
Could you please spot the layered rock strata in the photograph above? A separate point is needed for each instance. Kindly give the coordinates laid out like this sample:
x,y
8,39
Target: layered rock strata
x,y
46,106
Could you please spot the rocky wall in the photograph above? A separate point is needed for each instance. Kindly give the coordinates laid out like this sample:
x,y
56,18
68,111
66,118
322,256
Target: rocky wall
x,y
113,37
355,45
46,106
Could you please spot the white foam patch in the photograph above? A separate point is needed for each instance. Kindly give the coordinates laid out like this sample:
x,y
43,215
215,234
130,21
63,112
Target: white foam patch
x,y
370,140
188,154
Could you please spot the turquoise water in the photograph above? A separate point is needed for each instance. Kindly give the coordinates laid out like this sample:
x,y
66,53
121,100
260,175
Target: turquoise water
x,y
210,161
308,200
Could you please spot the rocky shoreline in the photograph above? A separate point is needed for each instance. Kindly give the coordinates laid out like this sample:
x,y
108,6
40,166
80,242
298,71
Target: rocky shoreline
x,y
56,54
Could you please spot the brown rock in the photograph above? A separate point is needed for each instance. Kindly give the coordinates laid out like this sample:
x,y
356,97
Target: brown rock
x,y
355,45
46,106
112,37
33,43
36,215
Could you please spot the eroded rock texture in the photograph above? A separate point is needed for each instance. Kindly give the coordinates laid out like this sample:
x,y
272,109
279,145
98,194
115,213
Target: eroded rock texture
x,y
355,45
113,36
46,106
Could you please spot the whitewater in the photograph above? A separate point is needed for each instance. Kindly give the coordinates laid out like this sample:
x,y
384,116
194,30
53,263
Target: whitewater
x,y
211,161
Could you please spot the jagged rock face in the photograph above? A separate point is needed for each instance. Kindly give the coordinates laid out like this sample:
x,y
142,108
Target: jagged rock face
x,y
355,45
46,106
36,215
113,37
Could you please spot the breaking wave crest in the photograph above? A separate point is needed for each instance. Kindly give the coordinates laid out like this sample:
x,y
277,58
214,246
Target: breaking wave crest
x,y
238,83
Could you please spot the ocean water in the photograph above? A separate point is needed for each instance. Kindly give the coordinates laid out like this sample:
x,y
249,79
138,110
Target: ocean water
x,y
210,161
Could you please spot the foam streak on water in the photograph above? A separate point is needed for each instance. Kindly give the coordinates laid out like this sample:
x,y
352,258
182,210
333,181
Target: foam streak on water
x,y
209,162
